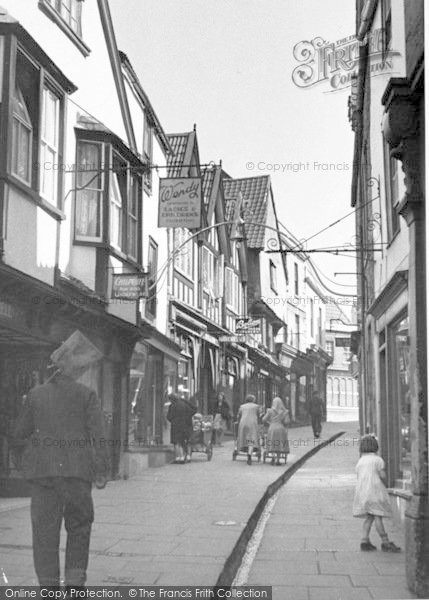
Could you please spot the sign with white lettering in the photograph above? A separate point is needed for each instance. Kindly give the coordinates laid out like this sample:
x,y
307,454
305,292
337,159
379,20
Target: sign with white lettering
x,y
129,286
180,202
246,325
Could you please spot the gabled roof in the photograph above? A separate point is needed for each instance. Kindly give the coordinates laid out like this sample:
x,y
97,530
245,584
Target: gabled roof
x,y
256,196
184,147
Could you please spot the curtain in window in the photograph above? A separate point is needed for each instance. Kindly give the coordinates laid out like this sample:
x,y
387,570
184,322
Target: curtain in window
x,y
21,138
89,180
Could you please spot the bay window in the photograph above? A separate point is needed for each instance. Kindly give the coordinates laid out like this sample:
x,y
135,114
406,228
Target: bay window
x,y
34,102
107,190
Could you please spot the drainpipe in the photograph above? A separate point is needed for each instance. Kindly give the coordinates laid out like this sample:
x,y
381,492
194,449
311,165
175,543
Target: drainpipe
x,y
367,16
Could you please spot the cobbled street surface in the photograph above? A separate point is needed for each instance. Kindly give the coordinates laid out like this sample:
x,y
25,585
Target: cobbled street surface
x,y
176,525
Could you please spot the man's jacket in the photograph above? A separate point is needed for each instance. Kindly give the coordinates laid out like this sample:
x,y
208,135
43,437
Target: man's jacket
x,y
63,424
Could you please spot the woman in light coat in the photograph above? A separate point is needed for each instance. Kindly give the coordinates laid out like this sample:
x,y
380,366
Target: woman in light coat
x,y
248,431
277,441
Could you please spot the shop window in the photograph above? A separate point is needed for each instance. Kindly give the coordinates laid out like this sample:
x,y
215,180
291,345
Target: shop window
x,y
401,384
89,191
330,348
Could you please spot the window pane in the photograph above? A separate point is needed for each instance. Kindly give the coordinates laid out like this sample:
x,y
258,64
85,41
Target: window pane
x,y
89,178
21,138
88,221
50,118
115,212
49,147
89,172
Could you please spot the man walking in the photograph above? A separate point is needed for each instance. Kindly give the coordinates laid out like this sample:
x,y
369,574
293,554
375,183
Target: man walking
x,y
65,453
316,413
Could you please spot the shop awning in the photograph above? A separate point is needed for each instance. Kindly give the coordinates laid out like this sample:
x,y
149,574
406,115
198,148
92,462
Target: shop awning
x,y
166,347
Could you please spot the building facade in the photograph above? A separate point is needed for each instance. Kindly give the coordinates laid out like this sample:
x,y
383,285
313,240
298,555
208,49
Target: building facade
x,y
342,398
71,207
387,116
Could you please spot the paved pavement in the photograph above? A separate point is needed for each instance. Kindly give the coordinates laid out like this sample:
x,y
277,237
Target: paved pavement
x,y
310,547
178,524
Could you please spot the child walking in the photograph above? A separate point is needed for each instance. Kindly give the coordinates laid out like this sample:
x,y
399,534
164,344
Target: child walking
x,y
371,501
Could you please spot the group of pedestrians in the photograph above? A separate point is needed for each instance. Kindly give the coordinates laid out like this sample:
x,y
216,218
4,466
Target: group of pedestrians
x,y
276,418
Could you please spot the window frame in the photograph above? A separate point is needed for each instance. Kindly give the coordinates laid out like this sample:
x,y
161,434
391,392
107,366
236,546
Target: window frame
x,y
101,193
22,123
19,48
184,235
50,9
110,150
45,143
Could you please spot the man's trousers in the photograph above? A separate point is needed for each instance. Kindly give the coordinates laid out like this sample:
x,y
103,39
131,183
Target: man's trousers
x,y
52,500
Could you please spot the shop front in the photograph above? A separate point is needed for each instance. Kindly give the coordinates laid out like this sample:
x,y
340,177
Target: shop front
x,y
34,320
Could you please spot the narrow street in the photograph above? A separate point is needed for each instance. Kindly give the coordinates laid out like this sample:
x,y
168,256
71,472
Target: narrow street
x,y
178,524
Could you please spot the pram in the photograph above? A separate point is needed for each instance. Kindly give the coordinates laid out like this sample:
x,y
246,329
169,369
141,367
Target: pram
x,y
269,453
243,451
201,439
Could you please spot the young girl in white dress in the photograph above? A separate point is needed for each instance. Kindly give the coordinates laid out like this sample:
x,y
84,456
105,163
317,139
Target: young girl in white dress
x,y
371,501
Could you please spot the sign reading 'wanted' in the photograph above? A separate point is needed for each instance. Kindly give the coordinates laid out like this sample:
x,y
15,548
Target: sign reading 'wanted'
x,y
180,202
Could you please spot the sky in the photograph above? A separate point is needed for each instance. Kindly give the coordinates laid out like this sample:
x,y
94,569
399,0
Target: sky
x,y
226,65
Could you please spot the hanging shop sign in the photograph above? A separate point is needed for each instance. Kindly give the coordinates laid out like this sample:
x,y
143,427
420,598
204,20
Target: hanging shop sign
x,y
180,202
126,286
247,325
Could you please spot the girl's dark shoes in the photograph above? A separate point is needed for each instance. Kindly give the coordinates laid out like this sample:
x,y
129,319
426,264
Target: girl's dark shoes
x,y
390,547
367,546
